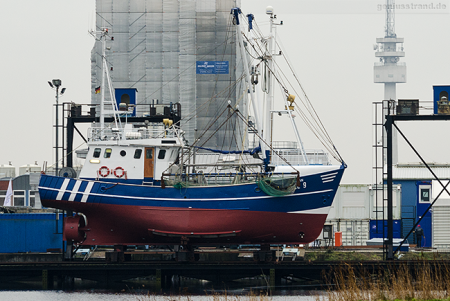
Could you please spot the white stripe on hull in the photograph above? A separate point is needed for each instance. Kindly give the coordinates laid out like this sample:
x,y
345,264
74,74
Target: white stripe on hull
x,y
74,191
87,192
62,190
323,210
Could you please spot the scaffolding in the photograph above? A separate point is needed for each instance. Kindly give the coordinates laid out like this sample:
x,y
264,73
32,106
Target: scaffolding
x,y
165,49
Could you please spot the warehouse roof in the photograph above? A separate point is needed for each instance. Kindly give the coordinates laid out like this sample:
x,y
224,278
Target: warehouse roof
x,y
418,171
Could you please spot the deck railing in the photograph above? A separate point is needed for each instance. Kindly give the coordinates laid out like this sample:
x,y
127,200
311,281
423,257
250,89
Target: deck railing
x,y
96,134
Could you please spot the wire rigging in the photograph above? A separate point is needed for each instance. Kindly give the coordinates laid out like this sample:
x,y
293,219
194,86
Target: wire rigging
x,y
310,117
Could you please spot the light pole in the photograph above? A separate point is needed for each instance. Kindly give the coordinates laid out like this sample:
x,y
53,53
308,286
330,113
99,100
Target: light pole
x,y
57,83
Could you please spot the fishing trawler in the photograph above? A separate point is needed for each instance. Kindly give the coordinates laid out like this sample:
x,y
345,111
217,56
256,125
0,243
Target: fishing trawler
x,y
145,184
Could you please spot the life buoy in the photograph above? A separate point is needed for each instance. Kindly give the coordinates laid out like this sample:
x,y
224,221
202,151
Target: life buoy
x,y
121,172
104,171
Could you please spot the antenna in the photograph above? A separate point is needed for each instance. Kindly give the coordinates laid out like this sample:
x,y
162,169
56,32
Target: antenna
x,y
390,19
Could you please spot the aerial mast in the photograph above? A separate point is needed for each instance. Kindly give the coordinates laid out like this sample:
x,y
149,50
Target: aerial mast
x,y
390,19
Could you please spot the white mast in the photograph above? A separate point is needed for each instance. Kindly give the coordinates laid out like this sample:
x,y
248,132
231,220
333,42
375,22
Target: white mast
x,y
266,129
270,98
105,75
102,87
270,93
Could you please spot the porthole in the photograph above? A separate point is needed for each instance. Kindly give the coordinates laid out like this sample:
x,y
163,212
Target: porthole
x,y
123,153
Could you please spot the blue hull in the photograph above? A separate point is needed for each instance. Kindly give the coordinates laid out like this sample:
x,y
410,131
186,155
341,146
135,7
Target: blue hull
x,y
118,213
314,194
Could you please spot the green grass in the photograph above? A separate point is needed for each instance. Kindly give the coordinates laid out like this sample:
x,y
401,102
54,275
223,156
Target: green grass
x,y
332,255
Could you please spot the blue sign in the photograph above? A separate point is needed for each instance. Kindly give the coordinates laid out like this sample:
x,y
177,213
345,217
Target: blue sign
x,y
213,67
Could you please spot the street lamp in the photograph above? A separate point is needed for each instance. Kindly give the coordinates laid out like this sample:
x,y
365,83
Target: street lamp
x,y
57,83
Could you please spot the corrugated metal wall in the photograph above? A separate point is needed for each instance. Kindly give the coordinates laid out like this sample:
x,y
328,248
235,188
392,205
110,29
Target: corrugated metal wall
x,y
362,201
356,206
440,217
33,232
355,232
156,47
441,227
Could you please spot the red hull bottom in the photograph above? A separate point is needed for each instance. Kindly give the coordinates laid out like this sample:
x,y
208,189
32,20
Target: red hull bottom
x,y
132,225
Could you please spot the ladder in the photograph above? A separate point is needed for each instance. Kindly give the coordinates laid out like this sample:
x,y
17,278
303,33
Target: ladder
x,y
379,172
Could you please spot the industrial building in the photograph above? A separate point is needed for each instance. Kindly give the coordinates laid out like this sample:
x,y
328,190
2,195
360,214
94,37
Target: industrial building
x,y
419,190
25,191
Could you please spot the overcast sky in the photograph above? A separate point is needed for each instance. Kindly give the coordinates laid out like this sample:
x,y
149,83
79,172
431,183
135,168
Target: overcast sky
x,y
330,44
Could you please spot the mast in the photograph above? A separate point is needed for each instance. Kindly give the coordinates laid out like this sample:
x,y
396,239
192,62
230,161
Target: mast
x,y
270,98
101,36
236,12
266,129
102,89
270,93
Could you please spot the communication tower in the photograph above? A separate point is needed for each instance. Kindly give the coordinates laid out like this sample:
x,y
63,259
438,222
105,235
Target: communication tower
x,y
389,70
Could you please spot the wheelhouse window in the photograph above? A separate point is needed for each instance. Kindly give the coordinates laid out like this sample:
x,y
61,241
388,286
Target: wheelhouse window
x,y
137,153
97,152
108,152
162,154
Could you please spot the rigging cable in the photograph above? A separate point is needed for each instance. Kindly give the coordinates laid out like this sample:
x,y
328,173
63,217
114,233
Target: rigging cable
x,y
320,129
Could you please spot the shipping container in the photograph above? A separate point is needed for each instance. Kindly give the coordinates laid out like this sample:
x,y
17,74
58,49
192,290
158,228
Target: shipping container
x,y
351,202
30,232
376,229
364,202
354,232
378,202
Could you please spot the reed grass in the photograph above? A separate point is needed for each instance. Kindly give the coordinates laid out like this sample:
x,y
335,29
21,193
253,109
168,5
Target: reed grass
x,y
424,281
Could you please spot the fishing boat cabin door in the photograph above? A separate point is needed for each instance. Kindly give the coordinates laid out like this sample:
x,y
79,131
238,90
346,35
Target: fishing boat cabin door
x,y
149,164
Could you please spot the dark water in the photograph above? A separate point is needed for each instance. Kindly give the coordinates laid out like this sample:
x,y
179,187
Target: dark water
x,y
143,289
175,286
